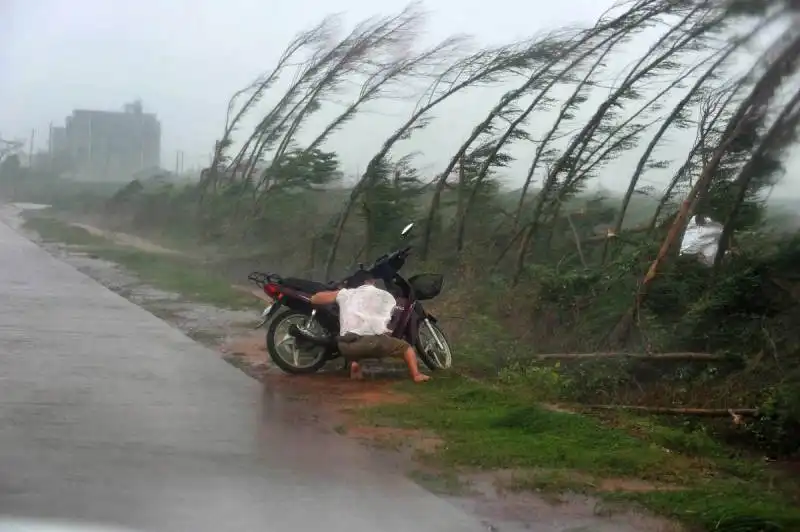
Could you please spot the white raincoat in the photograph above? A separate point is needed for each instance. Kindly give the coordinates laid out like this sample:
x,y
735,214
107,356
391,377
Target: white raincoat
x,y
701,241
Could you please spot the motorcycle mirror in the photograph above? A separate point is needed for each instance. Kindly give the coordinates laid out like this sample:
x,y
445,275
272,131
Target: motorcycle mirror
x,y
406,229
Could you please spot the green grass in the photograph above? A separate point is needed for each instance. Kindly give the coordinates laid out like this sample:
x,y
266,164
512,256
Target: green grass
x,y
486,428
171,273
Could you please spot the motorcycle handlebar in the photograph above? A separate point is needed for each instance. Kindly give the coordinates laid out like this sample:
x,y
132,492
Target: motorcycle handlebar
x,y
400,253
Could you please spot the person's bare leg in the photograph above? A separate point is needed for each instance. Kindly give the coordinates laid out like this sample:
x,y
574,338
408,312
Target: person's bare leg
x,y
356,373
411,361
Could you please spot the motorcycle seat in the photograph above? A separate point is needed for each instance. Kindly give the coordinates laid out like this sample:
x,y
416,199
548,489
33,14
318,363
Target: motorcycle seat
x,y
304,285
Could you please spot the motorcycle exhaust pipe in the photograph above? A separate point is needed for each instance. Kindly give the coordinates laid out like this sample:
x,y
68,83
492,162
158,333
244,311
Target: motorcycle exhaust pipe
x,y
298,333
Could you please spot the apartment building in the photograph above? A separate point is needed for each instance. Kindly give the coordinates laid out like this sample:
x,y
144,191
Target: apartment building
x,y
108,145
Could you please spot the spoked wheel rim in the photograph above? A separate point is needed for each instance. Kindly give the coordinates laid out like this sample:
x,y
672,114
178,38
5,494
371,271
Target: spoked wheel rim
x,y
436,346
286,345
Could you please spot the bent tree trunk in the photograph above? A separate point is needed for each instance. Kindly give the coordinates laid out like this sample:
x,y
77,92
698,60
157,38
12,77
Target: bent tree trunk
x,y
668,121
637,73
635,18
493,66
569,105
510,131
781,131
705,132
749,111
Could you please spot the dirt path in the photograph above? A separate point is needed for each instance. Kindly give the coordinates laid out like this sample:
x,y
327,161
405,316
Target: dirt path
x,y
128,240
148,246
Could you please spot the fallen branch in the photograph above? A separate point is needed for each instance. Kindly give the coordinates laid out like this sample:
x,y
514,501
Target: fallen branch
x,y
736,413
611,234
634,356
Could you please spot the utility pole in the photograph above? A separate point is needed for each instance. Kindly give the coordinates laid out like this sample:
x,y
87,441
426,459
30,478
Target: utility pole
x,y
50,164
30,149
90,145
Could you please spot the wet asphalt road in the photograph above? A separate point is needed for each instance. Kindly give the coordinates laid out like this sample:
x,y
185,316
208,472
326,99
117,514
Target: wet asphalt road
x,y
108,414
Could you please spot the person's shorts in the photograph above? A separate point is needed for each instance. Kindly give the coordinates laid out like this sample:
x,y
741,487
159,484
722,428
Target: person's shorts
x,y
355,347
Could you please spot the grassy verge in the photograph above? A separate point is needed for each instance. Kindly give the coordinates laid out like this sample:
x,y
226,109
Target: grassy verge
x,y
171,273
687,476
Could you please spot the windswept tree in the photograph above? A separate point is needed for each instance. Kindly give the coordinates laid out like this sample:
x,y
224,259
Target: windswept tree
x,y
10,159
372,49
780,64
612,140
544,152
254,92
695,21
323,66
479,69
475,192
324,74
760,170
9,148
678,117
389,202
383,81
714,111
302,169
552,50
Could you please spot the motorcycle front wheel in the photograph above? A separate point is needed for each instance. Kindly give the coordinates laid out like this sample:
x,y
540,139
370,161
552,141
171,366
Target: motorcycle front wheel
x,y
432,346
291,355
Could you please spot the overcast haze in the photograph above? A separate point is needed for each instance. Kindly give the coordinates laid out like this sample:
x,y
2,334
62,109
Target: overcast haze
x,y
184,58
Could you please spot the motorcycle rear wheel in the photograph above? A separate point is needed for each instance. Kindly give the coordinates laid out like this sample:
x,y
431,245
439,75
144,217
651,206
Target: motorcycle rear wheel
x,y
279,326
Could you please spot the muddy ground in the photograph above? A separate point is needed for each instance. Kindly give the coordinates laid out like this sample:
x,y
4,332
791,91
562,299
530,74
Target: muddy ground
x,y
332,398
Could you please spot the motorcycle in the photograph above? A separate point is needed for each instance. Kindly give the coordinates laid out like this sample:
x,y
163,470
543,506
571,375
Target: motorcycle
x,y
309,333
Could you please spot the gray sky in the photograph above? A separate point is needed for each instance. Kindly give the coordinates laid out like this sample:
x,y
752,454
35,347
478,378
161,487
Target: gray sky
x,y
184,58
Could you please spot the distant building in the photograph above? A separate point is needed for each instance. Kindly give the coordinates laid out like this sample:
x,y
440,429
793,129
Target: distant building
x,y
58,139
108,145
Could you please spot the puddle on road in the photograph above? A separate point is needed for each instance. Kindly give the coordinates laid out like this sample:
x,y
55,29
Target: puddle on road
x,y
207,324
566,512
11,213
210,325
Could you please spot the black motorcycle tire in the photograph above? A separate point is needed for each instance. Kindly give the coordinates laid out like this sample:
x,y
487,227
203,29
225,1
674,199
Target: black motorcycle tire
x,y
277,359
429,361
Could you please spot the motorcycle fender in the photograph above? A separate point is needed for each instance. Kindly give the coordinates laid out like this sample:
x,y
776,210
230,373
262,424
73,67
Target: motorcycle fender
x,y
268,312
415,320
421,313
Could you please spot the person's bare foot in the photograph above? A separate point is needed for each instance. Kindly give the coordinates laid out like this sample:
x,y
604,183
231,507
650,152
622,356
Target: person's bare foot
x,y
421,378
355,372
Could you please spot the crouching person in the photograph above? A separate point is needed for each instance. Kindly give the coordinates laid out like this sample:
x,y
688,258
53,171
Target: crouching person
x,y
364,314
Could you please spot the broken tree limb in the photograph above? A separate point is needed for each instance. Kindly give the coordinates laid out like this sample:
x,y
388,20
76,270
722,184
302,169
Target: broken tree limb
x,y
736,413
635,356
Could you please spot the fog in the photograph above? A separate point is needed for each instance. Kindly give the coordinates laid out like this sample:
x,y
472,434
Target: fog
x,y
184,58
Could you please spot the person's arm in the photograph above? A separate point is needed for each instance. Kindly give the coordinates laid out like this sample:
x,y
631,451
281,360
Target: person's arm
x,y
324,298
